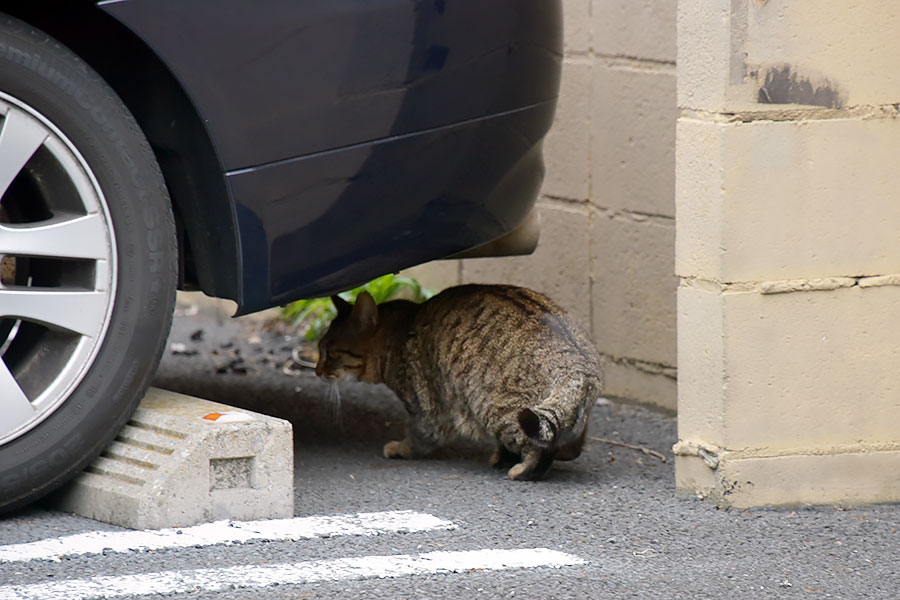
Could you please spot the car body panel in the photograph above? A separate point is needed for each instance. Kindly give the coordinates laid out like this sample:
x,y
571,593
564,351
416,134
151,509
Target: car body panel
x,y
361,137
380,207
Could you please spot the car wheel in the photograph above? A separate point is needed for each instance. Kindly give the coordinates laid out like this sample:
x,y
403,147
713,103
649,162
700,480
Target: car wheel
x,y
88,254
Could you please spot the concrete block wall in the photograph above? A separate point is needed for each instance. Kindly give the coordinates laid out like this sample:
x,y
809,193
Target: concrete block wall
x,y
788,252
607,206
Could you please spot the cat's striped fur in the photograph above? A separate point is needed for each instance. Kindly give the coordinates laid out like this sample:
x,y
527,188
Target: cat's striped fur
x,y
475,361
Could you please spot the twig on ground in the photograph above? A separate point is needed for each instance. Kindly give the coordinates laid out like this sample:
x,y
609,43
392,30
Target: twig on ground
x,y
629,446
295,355
288,368
296,363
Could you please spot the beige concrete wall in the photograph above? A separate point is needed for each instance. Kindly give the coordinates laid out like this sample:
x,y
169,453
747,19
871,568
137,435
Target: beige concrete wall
x,y
607,244
788,250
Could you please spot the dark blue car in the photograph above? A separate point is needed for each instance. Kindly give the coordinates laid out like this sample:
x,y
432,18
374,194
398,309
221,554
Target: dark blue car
x,y
257,150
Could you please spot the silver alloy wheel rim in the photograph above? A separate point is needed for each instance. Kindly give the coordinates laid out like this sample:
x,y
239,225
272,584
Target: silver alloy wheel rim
x,y
60,268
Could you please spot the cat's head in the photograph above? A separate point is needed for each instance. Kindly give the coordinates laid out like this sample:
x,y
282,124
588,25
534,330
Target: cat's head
x,y
347,346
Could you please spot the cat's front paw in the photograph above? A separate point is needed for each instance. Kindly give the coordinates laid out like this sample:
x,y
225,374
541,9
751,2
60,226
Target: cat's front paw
x,y
398,449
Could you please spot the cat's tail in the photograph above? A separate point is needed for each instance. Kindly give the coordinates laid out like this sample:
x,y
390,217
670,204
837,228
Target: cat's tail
x,y
538,424
560,418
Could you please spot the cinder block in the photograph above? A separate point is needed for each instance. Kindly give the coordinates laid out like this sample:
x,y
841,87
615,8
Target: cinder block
x,y
799,373
560,267
699,198
635,28
633,287
701,363
733,55
577,26
436,275
788,398
849,479
633,143
567,146
625,381
182,461
788,200
812,369
711,67
845,51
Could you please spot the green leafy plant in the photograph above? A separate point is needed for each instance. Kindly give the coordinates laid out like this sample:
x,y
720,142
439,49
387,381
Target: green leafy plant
x,y
316,313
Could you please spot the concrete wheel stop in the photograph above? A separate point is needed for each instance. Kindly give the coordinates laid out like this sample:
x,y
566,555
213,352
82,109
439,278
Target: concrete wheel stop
x,y
182,461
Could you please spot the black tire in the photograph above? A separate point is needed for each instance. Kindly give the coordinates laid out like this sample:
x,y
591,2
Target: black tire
x,y
39,73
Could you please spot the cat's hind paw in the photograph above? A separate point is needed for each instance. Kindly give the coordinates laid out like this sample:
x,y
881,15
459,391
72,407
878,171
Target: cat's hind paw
x,y
521,472
534,466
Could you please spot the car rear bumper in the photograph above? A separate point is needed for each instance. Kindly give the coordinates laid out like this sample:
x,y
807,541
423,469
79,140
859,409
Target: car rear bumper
x,y
358,138
335,219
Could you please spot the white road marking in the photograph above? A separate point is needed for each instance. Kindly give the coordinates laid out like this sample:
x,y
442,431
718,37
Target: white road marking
x,y
223,532
256,576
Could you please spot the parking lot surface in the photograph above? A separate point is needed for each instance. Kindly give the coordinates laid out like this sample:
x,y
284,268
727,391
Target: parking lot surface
x,y
607,525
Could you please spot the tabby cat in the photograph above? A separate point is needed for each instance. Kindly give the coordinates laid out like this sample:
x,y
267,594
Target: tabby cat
x,y
474,361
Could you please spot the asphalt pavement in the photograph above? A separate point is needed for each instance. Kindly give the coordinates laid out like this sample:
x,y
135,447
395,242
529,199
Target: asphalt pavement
x,y
614,508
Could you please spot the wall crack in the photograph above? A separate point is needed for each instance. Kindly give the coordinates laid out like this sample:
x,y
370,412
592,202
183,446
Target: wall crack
x,y
645,366
784,286
793,113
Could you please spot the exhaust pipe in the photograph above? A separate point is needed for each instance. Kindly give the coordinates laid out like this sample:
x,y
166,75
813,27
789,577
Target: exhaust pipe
x,y
521,240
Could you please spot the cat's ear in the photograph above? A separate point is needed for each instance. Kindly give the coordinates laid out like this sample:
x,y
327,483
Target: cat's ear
x,y
341,305
365,312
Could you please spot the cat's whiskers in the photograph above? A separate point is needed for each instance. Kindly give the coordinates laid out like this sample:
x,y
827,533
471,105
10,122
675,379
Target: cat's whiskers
x,y
333,400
